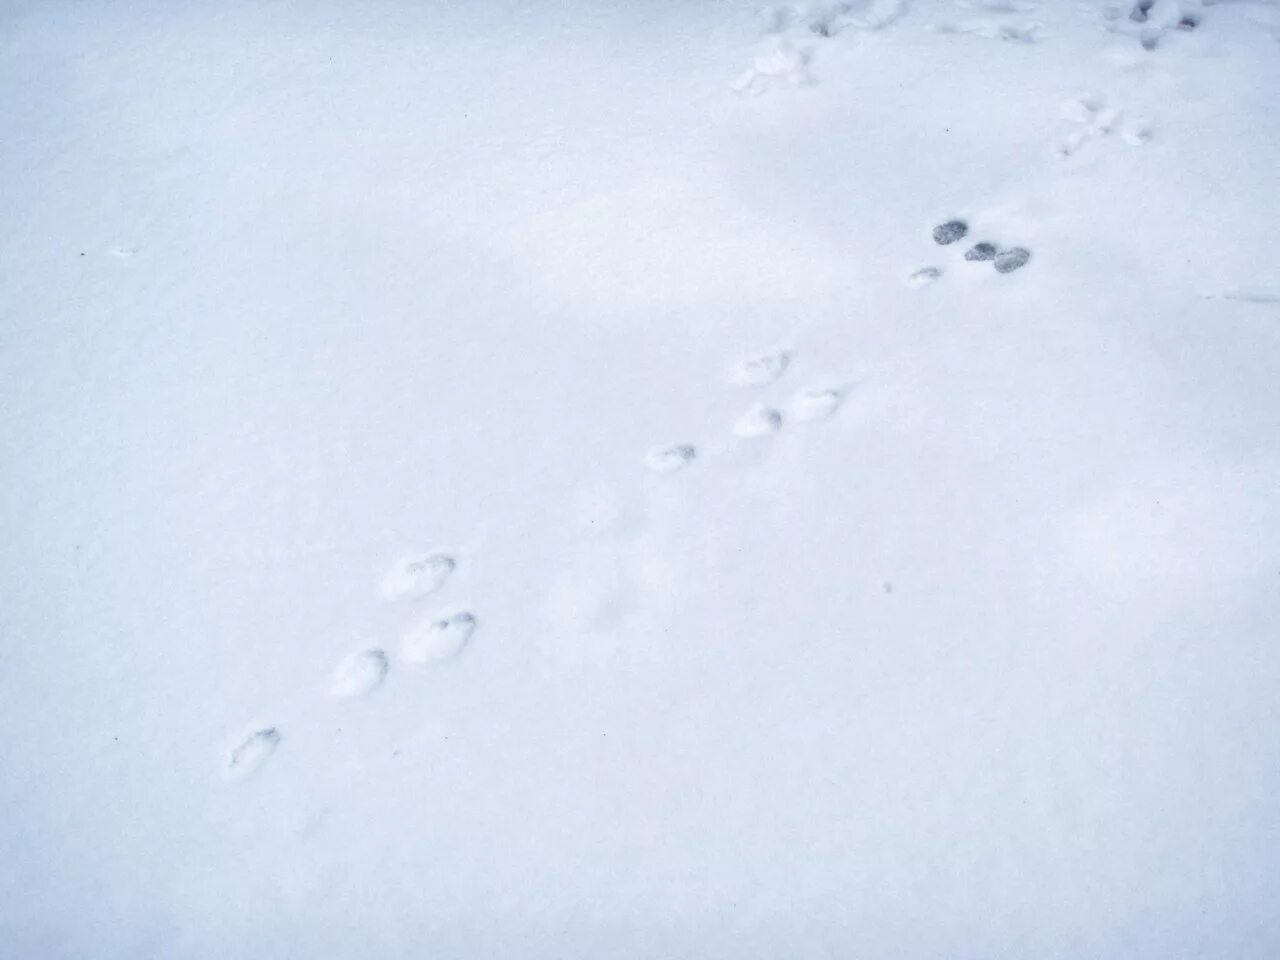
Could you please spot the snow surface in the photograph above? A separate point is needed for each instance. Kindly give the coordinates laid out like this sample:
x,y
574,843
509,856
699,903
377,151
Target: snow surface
x,y
779,583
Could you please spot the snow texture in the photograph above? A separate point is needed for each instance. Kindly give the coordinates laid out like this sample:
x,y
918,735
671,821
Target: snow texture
x,y
521,480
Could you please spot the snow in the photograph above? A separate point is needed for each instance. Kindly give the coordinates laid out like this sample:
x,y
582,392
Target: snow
x,y
521,480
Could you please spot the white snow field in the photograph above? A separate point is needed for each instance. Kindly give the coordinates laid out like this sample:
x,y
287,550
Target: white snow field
x,y
522,480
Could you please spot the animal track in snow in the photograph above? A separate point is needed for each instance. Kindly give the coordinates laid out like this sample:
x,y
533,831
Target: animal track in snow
x,y
762,370
924,276
1137,132
759,421
1149,21
1093,120
1015,258
794,32
1005,260
993,28
248,756
830,19
417,576
1183,16
998,6
671,458
950,232
1247,295
781,62
810,404
1083,108
439,639
359,674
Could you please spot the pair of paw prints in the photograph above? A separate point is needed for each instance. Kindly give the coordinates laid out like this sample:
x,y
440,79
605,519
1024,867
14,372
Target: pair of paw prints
x,y
434,639
1092,120
1004,259
1151,20
794,35
760,420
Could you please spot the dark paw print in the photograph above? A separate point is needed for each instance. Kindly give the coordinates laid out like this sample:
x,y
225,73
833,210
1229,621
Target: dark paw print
x,y
1141,10
1014,258
1004,259
950,232
1151,33
822,26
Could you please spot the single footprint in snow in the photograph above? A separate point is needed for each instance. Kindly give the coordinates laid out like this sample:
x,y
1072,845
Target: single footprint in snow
x,y
673,457
1070,144
759,421
924,276
826,22
981,251
761,370
1106,120
417,576
438,640
950,232
1137,132
1014,258
815,403
359,674
248,756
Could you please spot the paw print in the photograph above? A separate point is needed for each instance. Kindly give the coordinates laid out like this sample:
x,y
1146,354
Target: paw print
x,y
1004,259
795,32
1149,21
1092,119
